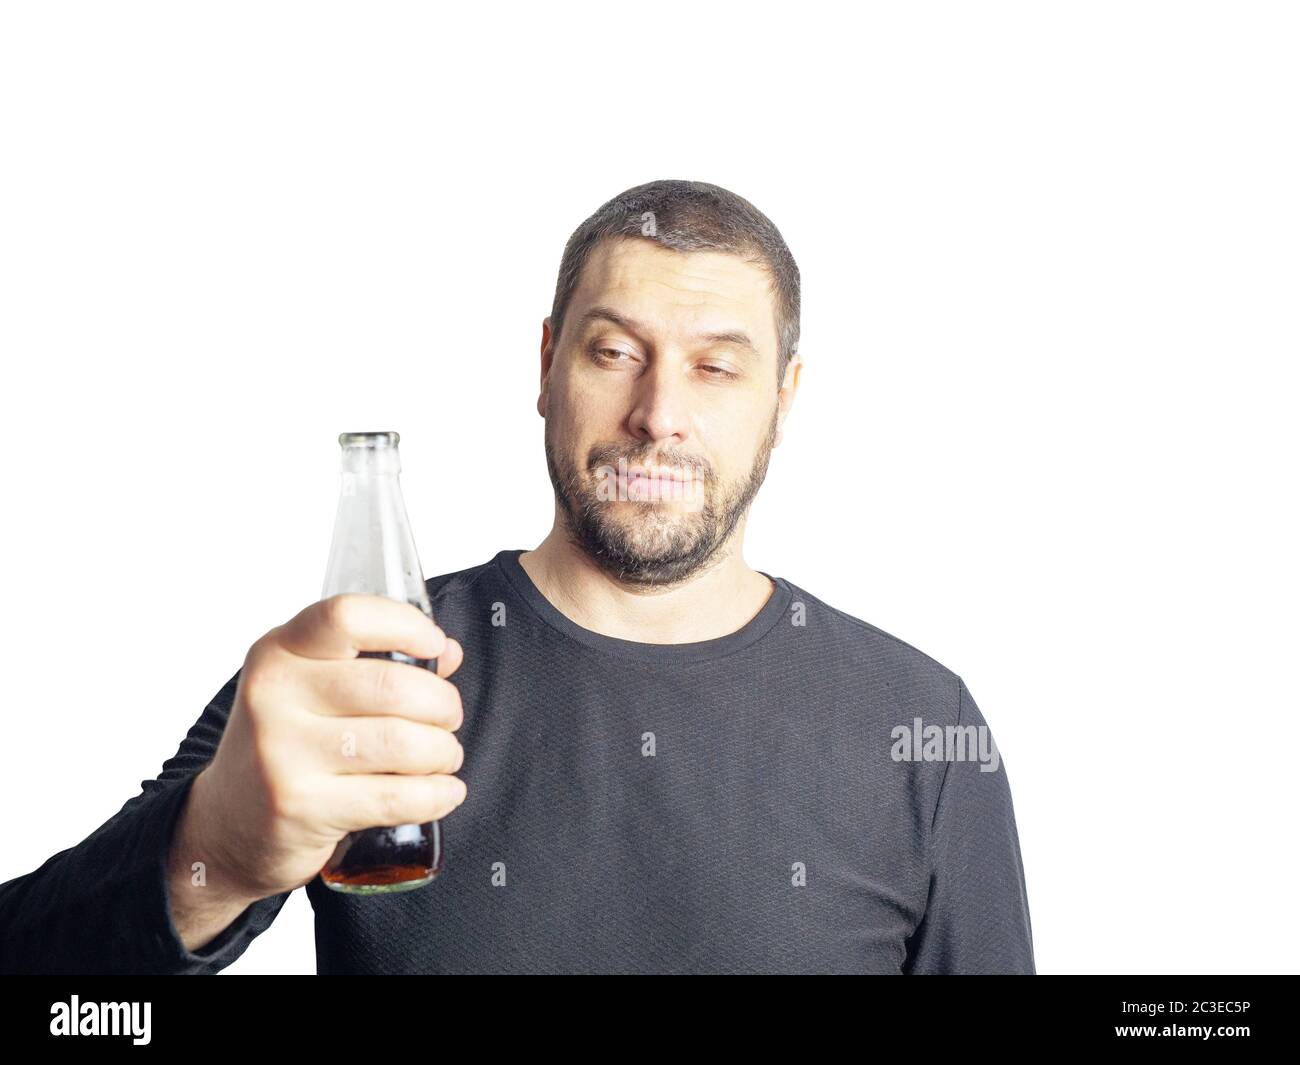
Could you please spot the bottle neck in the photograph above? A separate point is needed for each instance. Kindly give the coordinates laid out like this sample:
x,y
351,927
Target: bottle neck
x,y
361,460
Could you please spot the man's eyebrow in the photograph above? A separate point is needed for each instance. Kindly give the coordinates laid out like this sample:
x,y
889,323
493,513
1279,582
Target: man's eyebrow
x,y
608,314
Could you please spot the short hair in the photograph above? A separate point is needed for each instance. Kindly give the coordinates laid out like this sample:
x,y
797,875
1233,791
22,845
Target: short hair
x,y
690,216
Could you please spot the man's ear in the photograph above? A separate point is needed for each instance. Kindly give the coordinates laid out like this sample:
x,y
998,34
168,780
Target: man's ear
x,y
785,394
548,355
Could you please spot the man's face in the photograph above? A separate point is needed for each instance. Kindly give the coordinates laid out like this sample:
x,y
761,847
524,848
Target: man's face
x,y
667,362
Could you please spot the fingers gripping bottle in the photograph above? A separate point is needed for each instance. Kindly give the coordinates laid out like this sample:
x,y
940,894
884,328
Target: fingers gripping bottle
x,y
374,552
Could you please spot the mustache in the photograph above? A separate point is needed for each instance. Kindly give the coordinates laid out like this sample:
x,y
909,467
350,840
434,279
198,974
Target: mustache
x,y
610,456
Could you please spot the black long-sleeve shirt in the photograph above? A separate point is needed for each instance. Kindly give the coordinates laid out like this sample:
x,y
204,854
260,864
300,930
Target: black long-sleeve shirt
x,y
806,794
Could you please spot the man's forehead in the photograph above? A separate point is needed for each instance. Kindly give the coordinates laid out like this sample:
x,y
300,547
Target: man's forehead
x,y
706,289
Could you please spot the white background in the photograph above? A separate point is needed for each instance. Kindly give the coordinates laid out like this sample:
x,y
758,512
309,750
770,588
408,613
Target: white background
x,y
1045,432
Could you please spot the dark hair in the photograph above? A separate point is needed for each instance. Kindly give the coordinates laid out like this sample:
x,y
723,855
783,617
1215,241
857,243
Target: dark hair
x,y
689,216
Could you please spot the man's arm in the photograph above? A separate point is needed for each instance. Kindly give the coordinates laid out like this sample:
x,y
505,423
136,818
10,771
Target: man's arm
x,y
125,899
977,918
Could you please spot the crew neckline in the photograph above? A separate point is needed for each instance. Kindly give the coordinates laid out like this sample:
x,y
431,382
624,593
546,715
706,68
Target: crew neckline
x,y
697,651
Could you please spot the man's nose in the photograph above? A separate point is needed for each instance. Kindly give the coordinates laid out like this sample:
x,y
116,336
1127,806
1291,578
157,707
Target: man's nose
x,y
660,403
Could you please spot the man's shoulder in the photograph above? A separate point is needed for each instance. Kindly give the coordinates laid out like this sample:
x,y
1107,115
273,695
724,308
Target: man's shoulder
x,y
459,582
866,644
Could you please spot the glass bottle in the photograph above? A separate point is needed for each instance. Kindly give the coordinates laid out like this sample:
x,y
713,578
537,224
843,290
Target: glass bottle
x,y
373,551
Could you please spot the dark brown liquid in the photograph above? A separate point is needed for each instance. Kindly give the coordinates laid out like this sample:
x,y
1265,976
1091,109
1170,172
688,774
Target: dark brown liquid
x,y
376,857
386,857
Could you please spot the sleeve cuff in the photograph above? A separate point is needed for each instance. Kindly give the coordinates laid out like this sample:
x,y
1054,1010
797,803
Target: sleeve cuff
x,y
168,953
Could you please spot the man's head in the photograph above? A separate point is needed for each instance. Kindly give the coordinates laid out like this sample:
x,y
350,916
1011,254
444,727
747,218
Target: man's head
x,y
671,345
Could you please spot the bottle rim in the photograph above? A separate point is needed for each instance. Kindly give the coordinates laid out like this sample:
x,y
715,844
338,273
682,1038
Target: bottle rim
x,y
373,439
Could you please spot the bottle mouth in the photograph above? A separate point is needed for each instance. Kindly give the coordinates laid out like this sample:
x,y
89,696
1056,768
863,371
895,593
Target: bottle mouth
x,y
384,439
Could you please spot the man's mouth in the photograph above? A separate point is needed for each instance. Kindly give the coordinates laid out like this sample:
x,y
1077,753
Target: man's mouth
x,y
659,484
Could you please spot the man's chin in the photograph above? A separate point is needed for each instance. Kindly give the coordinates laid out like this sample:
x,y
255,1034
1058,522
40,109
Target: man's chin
x,y
647,551
657,529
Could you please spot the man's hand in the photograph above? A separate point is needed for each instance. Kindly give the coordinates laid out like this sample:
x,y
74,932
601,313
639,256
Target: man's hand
x,y
319,743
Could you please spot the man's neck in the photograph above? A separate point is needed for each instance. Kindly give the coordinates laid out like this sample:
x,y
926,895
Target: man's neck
x,y
723,598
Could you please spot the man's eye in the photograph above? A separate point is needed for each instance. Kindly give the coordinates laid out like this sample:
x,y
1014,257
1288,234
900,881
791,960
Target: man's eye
x,y
615,355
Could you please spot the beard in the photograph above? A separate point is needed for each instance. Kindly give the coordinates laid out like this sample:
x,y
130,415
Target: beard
x,y
650,543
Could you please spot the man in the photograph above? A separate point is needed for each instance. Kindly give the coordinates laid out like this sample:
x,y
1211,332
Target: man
x,y
667,761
